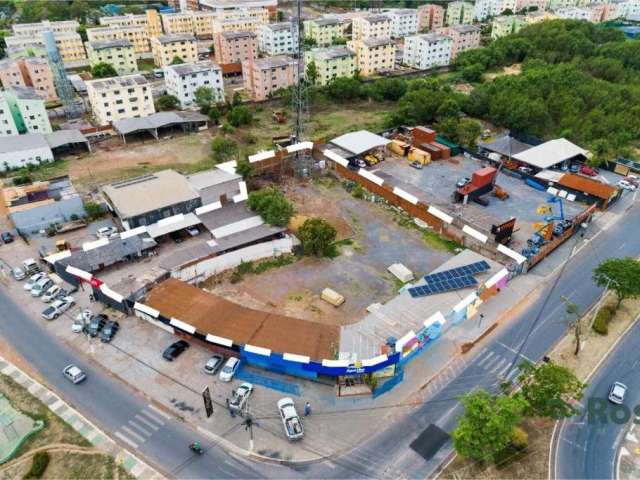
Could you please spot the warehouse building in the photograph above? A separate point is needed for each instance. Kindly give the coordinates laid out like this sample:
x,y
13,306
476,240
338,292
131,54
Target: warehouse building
x,y
558,153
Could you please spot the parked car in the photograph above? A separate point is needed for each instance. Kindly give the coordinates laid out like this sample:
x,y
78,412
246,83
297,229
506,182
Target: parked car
x,y
229,370
589,171
33,279
240,397
109,331
174,350
626,185
107,232
617,393
361,163
213,364
51,294
290,419
18,273
193,231
633,180
416,164
574,168
78,325
462,182
74,374
96,324
7,237
58,307
176,237
525,170
41,286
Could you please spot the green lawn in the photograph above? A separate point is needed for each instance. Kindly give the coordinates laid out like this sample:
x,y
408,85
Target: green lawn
x,y
145,64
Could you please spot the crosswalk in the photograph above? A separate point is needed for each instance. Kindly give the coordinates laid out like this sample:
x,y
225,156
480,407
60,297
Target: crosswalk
x,y
498,361
142,426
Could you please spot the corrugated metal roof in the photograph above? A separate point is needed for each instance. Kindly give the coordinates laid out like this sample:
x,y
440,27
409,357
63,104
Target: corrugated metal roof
x,y
360,141
550,153
587,185
156,120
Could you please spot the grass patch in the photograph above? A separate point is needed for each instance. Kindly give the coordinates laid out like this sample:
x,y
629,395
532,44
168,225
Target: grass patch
x,y
432,239
246,268
44,171
145,64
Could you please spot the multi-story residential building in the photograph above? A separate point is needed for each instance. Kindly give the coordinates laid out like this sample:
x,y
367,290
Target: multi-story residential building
x,y
25,47
203,24
374,55
117,98
631,10
22,110
118,53
154,23
613,11
264,76
167,47
537,17
36,29
136,34
427,50
150,21
558,4
36,73
277,39
69,44
10,74
540,5
235,25
484,9
235,47
331,62
463,37
225,6
371,26
459,13
430,17
404,22
573,13
183,80
259,14
179,22
506,25
323,30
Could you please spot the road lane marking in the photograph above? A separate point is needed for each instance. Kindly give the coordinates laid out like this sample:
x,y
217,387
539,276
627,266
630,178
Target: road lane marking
x,y
498,365
140,418
138,427
135,435
485,358
160,412
152,417
126,440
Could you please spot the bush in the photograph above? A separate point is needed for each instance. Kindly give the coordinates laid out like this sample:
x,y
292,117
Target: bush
x,y
317,236
21,180
223,149
358,192
167,102
272,206
603,317
239,115
94,211
520,438
39,464
73,217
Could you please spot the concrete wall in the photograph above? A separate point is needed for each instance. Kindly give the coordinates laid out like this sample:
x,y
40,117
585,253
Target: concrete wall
x,y
40,218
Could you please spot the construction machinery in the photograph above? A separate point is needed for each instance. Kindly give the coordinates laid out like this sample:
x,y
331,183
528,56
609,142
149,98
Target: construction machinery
x,y
545,230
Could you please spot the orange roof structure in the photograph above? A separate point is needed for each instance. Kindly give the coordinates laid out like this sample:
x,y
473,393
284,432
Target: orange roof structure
x,y
587,185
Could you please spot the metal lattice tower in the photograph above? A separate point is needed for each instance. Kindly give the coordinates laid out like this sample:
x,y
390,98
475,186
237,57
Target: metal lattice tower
x,y
60,80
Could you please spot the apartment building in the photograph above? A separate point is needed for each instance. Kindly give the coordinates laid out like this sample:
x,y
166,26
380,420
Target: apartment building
x,y
150,21
259,14
36,29
10,74
166,47
225,6
460,13
506,25
117,98
427,50
464,37
135,34
119,53
183,80
430,17
22,110
264,76
235,47
37,74
235,25
25,47
371,26
179,22
277,39
331,62
537,17
574,13
323,30
404,22
631,10
374,55
69,44
203,24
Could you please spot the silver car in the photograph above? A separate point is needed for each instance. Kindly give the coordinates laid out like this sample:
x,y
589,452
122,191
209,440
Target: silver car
x,y
74,374
617,393
41,286
33,279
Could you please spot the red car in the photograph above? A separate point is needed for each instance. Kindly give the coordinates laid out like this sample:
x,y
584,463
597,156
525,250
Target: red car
x,y
585,170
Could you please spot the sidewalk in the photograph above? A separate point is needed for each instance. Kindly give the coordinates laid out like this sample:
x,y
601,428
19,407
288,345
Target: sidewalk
x,y
133,465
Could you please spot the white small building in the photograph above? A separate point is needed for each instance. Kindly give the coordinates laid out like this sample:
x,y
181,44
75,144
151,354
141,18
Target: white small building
x,y
18,151
183,80
427,50
277,39
403,22
22,110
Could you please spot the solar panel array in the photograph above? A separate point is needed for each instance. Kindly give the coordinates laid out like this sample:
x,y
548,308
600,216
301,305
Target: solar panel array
x,y
464,271
444,286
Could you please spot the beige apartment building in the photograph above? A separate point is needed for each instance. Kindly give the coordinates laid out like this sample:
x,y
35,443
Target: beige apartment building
x,y
136,34
236,25
150,21
203,24
118,98
178,22
264,76
464,37
371,26
10,74
259,14
36,29
36,73
235,47
374,55
323,30
69,44
118,53
430,17
166,47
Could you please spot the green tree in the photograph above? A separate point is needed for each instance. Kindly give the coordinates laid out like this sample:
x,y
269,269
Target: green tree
x,y
214,114
204,97
488,424
212,49
339,41
473,73
240,115
280,16
223,149
82,31
245,169
103,70
622,275
167,102
311,73
468,132
309,42
271,204
549,390
176,60
344,88
317,237
93,209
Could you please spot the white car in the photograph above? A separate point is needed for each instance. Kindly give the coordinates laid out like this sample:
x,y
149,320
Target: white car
x,y
107,232
33,279
240,396
213,364
193,231
626,185
18,273
81,321
617,392
50,294
290,419
74,373
41,286
229,370
58,307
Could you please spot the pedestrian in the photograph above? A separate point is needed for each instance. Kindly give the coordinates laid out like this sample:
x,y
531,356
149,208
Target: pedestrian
x,y
307,409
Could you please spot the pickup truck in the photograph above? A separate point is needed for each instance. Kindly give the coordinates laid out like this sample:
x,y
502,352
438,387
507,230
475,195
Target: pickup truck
x,y
240,397
290,419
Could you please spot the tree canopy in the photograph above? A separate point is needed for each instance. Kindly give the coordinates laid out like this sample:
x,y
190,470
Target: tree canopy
x,y
271,204
622,275
103,70
223,149
317,236
167,102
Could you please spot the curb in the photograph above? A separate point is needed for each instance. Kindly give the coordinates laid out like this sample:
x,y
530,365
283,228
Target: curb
x,y
132,464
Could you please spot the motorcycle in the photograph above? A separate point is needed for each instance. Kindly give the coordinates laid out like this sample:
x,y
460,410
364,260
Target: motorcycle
x,y
195,447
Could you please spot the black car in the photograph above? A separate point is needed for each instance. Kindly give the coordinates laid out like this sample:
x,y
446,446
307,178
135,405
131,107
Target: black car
x,y
174,350
176,237
109,331
7,237
97,323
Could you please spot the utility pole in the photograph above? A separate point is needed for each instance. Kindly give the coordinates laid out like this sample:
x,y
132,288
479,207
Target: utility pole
x,y
572,309
302,160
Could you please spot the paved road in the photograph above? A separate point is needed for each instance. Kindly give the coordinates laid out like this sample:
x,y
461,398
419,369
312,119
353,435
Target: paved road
x,y
385,455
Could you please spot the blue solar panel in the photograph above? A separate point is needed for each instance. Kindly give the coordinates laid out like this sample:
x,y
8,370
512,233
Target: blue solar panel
x,y
464,271
443,286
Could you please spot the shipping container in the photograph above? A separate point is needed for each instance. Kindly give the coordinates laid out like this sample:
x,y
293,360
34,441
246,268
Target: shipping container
x,y
398,147
455,148
484,176
446,151
423,135
435,152
417,155
332,297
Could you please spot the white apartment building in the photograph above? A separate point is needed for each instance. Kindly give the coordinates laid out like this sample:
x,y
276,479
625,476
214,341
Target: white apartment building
x,y
23,111
7,124
136,34
183,80
403,22
460,13
36,29
631,10
69,44
371,26
427,50
117,98
277,39
573,13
